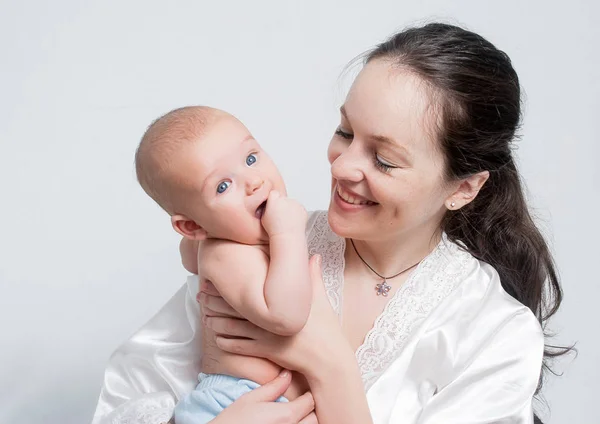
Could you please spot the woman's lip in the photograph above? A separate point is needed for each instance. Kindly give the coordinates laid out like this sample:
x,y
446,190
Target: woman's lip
x,y
348,207
349,193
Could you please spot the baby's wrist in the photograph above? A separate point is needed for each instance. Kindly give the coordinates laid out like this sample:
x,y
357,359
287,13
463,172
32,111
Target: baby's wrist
x,y
286,232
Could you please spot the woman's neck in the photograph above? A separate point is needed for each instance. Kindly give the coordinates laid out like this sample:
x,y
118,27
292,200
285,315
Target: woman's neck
x,y
390,256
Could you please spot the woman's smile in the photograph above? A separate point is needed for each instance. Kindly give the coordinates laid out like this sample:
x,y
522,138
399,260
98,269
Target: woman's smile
x,y
349,201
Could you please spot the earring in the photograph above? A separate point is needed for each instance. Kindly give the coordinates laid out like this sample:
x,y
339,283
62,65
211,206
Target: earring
x,y
452,204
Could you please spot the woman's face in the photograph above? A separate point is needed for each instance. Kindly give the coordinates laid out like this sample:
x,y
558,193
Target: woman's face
x,y
386,166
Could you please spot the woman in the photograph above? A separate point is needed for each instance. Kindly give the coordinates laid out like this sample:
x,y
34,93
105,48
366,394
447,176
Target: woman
x,y
435,280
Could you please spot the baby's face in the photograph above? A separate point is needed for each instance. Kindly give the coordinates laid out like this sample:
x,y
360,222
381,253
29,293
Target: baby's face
x,y
226,178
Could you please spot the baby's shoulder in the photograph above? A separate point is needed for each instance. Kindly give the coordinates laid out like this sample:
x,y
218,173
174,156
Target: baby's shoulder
x,y
220,251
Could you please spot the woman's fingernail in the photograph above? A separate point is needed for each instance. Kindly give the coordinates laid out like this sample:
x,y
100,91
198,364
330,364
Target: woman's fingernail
x,y
319,260
284,373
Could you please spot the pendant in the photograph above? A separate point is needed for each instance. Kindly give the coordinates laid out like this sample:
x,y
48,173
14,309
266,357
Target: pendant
x,y
383,288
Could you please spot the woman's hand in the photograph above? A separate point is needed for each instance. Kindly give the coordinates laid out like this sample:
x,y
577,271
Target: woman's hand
x,y
319,346
259,406
319,351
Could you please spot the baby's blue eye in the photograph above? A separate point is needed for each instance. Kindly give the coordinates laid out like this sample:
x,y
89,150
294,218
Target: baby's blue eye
x,y
251,159
223,186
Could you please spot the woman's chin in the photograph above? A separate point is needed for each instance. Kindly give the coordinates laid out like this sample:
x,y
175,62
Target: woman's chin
x,y
347,225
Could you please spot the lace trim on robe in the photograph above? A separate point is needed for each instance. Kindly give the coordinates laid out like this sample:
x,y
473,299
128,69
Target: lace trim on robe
x,y
434,279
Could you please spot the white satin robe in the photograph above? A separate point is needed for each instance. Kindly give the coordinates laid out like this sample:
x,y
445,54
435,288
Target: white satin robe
x,y
450,347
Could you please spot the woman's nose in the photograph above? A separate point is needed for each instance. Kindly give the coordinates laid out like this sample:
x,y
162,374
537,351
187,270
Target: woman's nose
x,y
253,183
348,166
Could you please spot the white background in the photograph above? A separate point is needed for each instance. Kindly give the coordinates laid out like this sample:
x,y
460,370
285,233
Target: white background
x,y
86,257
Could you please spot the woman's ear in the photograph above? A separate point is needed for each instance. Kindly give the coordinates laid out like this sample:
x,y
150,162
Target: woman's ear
x,y
187,227
467,190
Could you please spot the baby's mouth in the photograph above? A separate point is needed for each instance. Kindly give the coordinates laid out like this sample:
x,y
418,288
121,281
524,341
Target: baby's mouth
x,y
260,210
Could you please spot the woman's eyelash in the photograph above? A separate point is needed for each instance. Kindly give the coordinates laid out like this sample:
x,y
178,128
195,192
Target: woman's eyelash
x,y
378,164
381,165
344,134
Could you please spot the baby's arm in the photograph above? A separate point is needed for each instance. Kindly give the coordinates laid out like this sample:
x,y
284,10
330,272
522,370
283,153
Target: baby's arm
x,y
277,295
287,290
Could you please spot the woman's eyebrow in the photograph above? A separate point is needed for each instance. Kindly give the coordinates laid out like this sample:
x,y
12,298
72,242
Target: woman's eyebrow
x,y
391,143
381,138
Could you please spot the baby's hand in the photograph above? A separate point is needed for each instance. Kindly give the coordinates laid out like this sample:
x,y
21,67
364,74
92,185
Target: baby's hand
x,y
283,215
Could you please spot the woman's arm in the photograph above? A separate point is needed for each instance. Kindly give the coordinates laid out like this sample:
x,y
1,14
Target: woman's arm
x,y
149,372
332,372
499,384
338,390
320,352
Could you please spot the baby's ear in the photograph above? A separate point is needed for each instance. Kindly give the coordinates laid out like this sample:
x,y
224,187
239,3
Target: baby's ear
x,y
187,228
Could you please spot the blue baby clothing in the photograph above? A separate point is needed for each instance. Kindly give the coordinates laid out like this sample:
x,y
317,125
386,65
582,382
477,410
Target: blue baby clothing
x,y
214,393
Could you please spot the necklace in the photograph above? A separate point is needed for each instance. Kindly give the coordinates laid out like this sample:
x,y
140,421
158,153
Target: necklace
x,y
382,288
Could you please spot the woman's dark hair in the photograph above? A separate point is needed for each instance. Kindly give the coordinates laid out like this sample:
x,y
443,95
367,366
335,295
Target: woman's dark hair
x,y
477,96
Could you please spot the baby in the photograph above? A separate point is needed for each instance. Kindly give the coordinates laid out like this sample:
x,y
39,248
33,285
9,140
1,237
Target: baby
x,y
205,169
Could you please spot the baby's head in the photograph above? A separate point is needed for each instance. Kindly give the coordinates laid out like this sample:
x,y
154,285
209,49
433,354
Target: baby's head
x,y
205,169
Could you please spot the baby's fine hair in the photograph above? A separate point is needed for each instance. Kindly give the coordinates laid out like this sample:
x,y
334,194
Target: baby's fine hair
x,y
165,136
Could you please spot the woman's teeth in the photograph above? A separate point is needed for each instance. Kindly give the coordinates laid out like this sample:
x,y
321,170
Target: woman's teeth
x,y
348,198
